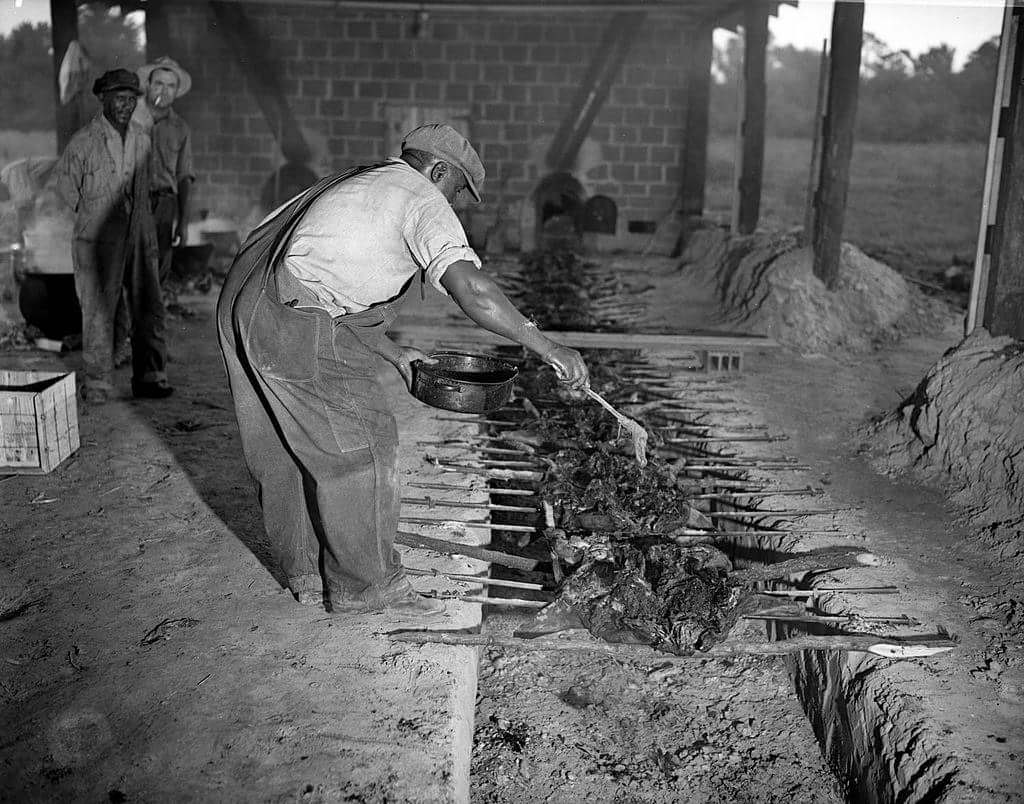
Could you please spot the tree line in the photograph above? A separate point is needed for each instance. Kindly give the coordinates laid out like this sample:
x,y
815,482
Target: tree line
x,y
903,98
28,85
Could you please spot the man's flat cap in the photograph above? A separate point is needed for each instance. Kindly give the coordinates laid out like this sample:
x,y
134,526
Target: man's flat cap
x,y
115,80
448,145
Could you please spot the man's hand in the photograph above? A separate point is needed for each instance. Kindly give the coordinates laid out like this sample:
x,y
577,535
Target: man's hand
x,y
568,366
402,357
180,236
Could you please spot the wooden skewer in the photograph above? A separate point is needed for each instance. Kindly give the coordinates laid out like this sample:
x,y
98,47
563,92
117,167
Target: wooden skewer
x,y
492,422
422,520
707,439
496,474
502,602
880,645
452,487
480,579
808,492
484,450
430,502
699,429
805,562
821,590
718,467
468,550
746,514
756,532
826,618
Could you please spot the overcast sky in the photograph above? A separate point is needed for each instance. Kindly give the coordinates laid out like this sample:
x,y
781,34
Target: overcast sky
x,y
914,25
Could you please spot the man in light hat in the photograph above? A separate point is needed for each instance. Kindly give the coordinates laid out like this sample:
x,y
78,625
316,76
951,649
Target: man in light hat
x,y
302,321
164,81
103,177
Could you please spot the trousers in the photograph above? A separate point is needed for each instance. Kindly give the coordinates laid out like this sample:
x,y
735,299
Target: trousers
x,y
103,269
165,209
318,437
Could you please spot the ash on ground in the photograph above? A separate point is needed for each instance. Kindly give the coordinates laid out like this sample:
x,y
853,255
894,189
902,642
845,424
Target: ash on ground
x,y
554,727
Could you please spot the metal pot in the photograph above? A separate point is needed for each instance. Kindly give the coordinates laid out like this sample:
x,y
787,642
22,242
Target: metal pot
x,y
463,382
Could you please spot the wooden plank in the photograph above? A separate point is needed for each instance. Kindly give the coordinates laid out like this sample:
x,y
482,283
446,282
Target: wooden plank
x,y
1004,297
682,343
819,121
46,429
837,139
158,36
19,440
698,97
69,416
754,110
593,90
990,193
263,76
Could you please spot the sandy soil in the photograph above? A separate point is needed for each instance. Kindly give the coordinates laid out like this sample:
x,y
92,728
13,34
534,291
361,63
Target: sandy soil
x,y
239,694
576,728
157,657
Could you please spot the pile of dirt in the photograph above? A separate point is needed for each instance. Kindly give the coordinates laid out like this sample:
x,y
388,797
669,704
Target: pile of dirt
x,y
961,427
765,284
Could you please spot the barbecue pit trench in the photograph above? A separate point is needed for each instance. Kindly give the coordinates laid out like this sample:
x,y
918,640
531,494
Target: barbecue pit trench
x,y
860,726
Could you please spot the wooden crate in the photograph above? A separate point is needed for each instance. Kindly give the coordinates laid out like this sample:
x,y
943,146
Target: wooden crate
x,y
38,420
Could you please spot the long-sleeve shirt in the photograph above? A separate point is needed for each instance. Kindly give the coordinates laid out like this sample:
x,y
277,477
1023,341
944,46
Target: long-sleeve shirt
x,y
104,179
362,240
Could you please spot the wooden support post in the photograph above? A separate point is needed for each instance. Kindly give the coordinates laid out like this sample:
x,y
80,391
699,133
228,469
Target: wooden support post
x,y
252,52
837,139
158,35
63,31
1004,294
698,96
755,30
604,69
815,172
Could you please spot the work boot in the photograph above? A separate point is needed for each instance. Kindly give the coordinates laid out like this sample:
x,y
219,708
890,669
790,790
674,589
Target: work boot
x,y
310,597
402,598
399,597
151,390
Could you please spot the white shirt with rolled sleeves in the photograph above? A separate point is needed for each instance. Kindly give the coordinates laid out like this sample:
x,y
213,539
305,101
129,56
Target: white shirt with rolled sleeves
x,y
362,240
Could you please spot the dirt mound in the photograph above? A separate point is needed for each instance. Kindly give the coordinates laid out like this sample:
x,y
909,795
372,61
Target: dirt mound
x,y
964,427
765,284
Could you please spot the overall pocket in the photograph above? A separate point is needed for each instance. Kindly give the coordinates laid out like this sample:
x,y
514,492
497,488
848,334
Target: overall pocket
x,y
282,342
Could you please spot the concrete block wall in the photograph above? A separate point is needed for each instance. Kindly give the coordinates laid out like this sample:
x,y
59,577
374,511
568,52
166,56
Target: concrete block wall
x,y
515,74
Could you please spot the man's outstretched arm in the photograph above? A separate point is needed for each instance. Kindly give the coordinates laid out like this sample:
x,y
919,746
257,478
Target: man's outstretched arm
x,y
480,298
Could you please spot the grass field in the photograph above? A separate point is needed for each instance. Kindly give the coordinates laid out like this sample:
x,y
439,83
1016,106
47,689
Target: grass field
x,y
912,205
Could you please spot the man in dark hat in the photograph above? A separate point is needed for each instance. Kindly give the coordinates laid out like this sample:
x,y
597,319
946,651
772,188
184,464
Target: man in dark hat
x,y
103,177
302,320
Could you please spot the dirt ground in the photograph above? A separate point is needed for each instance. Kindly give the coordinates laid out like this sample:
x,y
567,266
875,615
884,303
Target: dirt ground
x,y
238,695
153,656
554,728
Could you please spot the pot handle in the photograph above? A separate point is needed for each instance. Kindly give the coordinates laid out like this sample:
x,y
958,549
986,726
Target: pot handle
x,y
446,385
